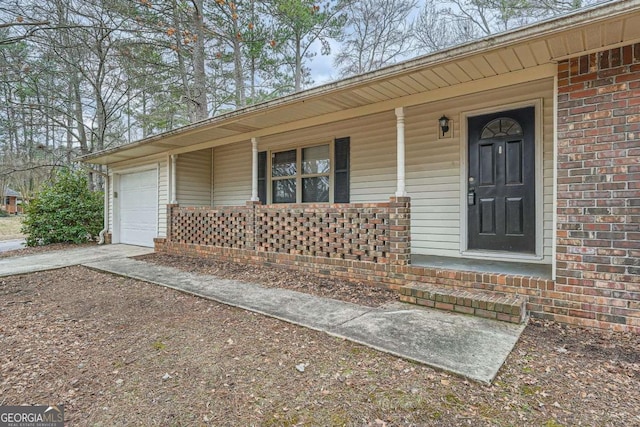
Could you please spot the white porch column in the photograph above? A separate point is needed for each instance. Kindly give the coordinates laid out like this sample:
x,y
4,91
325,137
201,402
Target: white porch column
x,y
400,192
254,170
172,170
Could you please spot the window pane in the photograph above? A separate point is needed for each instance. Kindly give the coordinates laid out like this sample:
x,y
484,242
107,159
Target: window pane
x,y
284,163
315,159
284,191
501,127
315,189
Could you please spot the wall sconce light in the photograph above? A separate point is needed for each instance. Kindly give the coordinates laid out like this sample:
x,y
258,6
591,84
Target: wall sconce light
x,y
444,124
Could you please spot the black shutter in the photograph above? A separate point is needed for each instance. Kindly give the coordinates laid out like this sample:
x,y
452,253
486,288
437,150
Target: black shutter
x,y
341,171
262,177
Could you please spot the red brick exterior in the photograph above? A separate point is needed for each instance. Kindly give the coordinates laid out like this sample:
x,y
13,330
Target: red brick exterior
x,y
226,227
357,232
598,232
12,207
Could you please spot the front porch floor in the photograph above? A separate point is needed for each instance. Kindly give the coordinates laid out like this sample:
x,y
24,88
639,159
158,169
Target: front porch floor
x,y
542,271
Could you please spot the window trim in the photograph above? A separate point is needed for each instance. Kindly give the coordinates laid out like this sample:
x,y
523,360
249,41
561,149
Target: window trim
x,y
303,176
299,175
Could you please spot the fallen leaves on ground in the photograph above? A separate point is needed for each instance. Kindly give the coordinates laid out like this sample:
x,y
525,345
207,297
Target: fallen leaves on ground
x,y
117,351
274,277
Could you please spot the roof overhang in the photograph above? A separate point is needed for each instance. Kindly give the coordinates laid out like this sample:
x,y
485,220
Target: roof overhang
x,y
526,54
11,193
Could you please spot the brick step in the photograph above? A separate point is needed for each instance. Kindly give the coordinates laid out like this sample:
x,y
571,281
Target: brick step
x,y
486,304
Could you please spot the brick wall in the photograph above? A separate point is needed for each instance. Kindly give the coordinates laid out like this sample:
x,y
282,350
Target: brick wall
x,y
343,231
225,227
598,233
365,232
12,206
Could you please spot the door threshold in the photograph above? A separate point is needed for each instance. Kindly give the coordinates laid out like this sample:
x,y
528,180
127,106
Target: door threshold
x,y
502,256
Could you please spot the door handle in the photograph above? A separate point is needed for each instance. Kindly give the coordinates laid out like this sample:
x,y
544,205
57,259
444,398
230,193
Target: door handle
x,y
471,197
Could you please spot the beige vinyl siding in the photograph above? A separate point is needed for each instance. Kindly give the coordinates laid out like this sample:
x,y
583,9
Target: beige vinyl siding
x,y
433,169
193,178
158,163
373,158
232,174
433,181
163,197
433,166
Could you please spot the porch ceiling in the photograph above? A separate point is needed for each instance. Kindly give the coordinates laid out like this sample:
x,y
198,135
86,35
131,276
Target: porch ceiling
x,y
525,54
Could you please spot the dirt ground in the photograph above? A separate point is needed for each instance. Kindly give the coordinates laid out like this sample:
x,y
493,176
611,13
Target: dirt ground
x,y
117,351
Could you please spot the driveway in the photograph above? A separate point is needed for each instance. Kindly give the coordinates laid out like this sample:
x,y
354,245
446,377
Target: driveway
x,y
59,259
11,245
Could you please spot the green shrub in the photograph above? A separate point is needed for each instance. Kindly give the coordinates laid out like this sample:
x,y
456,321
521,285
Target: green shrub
x,y
3,214
63,211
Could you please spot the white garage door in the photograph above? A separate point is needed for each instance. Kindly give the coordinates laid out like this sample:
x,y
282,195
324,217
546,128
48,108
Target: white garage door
x,y
138,208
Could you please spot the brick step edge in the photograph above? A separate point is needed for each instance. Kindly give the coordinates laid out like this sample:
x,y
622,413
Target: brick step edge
x,y
489,305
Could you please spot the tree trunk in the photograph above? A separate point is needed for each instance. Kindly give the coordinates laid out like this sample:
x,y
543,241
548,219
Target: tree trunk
x,y
298,70
253,54
199,73
79,117
238,75
181,65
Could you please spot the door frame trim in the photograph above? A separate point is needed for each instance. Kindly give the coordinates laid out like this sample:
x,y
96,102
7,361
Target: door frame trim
x,y
538,105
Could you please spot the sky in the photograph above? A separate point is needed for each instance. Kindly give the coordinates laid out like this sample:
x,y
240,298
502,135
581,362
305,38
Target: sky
x,y
322,69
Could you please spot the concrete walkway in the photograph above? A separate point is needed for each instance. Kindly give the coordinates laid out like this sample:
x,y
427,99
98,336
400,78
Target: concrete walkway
x,y
469,346
58,259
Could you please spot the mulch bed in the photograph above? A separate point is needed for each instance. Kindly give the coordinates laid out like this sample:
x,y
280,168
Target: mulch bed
x,y
357,293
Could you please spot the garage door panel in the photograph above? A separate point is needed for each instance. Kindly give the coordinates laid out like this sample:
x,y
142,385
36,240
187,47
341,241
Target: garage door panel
x,y
138,208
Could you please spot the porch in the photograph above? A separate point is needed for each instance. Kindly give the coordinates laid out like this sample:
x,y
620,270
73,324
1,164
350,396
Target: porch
x,y
543,271
359,242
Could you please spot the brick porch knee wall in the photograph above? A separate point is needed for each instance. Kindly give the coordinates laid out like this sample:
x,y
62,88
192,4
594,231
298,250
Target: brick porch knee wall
x,y
328,233
362,242
354,241
598,228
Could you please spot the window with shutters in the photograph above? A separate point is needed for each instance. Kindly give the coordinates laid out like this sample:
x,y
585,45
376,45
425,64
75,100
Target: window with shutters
x,y
311,174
